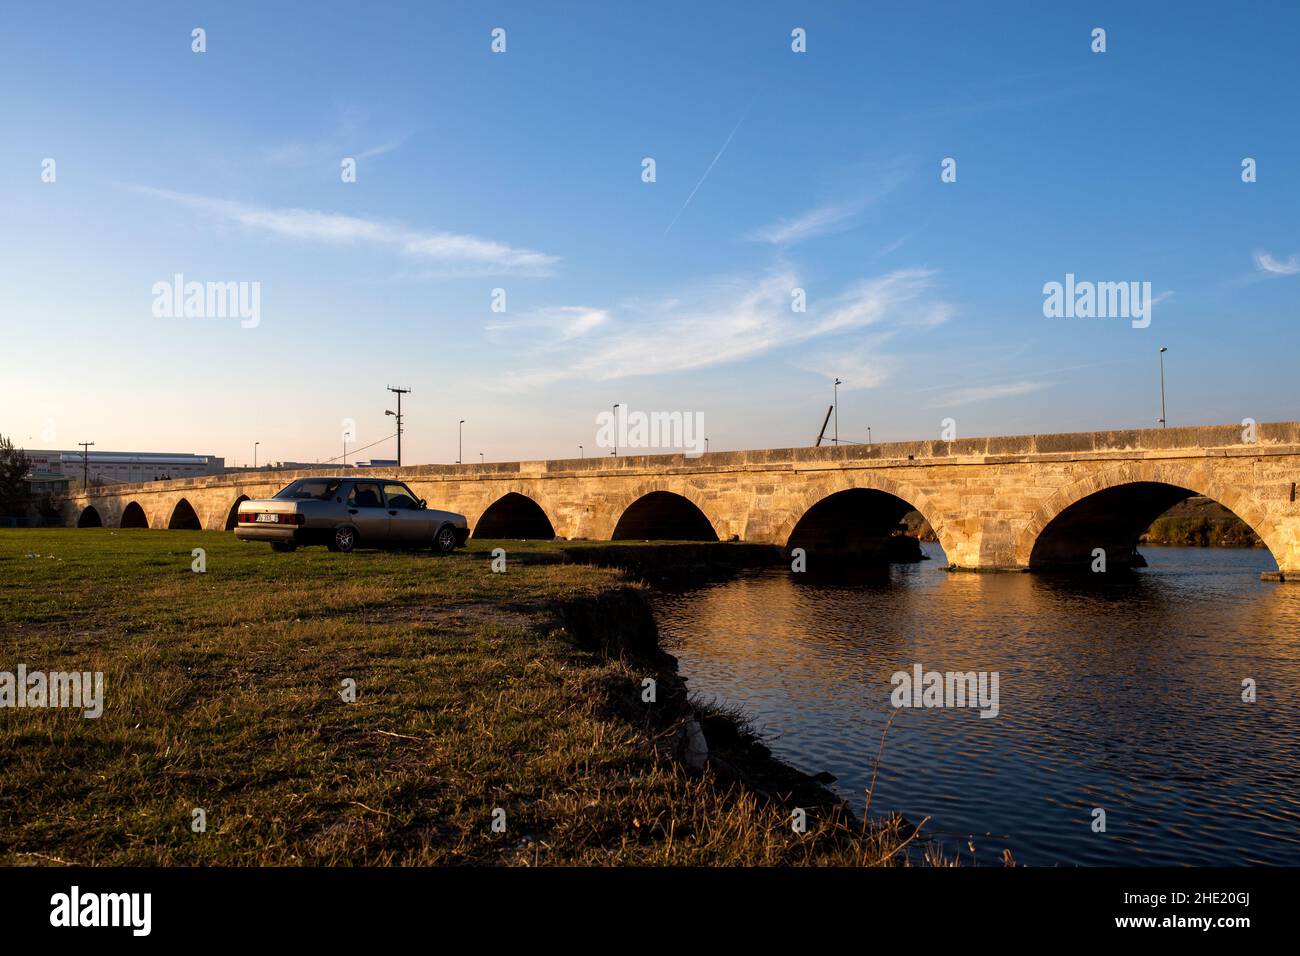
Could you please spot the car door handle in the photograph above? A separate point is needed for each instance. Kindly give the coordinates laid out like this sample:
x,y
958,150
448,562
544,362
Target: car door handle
x,y
393,513
352,511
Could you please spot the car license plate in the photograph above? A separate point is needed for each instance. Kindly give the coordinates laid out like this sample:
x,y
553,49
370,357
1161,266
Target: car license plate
x,y
268,518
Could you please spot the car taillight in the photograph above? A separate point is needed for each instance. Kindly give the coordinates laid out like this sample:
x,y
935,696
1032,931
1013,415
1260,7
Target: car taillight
x,y
251,517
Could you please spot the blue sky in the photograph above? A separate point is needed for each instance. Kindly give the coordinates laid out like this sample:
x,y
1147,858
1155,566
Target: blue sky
x,y
522,171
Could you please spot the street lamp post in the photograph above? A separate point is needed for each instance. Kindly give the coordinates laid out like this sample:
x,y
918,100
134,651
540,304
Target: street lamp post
x,y
838,383
255,444
1163,350
706,445
616,404
868,434
480,458
581,453
460,441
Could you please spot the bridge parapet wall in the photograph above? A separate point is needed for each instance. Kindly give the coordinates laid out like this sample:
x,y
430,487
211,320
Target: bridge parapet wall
x,y
987,498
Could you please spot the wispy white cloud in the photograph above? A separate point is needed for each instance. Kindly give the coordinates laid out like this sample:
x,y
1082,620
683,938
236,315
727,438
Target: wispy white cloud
x,y
870,301
1268,265
864,366
382,148
351,132
833,217
325,152
892,246
817,222
470,254
984,393
729,320
561,324
1007,94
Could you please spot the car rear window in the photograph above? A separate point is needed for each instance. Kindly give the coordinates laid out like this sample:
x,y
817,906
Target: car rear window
x,y
365,494
319,488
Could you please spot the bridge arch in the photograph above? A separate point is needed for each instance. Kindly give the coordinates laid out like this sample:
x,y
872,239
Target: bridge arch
x,y
133,516
184,517
661,515
515,515
884,488
89,518
1110,509
857,523
232,515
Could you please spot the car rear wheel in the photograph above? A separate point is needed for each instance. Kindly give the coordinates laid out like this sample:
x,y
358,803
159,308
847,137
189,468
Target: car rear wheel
x,y
344,540
444,542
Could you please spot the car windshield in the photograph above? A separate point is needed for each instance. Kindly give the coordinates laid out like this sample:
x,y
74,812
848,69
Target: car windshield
x,y
319,488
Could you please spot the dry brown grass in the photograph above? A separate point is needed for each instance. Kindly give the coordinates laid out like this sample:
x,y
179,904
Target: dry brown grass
x,y
223,692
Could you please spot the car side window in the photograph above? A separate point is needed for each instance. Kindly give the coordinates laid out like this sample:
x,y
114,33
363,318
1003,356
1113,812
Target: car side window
x,y
365,495
399,497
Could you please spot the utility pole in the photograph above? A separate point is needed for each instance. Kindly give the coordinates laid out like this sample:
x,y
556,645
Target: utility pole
x,y
399,392
1163,350
836,440
85,462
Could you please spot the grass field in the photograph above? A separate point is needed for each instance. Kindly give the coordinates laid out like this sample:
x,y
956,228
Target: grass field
x,y
223,691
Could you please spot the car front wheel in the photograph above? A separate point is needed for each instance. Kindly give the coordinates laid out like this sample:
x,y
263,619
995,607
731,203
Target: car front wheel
x,y
444,542
344,540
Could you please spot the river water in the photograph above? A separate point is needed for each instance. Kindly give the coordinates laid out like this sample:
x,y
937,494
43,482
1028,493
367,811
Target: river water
x,y
1118,692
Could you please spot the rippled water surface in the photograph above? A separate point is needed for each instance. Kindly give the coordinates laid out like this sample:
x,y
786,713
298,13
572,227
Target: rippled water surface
x,y
1119,692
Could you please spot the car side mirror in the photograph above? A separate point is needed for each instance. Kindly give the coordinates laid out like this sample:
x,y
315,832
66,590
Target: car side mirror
x,y
423,504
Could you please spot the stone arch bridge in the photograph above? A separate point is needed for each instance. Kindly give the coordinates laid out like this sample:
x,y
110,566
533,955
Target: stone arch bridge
x,y
1009,503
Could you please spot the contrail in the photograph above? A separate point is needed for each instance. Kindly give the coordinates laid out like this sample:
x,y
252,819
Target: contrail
x,y
709,170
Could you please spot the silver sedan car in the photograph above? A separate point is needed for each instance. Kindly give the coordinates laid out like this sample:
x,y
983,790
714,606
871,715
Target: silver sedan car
x,y
344,513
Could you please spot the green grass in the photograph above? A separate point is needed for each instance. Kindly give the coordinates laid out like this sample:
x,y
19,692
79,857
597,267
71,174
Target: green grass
x,y
223,693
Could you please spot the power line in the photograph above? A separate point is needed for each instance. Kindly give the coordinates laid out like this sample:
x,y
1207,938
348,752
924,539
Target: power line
x,y
362,448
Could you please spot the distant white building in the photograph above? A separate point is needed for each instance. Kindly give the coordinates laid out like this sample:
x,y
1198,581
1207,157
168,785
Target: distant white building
x,y
115,467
